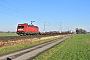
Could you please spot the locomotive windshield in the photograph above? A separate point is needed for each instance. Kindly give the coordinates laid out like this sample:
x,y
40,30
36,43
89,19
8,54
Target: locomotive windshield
x,y
20,27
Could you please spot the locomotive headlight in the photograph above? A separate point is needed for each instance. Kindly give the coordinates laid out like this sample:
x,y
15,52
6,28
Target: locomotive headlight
x,y
20,29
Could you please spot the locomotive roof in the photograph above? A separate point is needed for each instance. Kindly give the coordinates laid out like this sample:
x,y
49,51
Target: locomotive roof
x,y
27,24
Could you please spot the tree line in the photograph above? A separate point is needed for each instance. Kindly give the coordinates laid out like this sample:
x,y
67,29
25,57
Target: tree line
x,y
80,31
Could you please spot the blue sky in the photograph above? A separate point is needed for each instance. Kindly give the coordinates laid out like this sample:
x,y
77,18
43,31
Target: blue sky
x,y
71,13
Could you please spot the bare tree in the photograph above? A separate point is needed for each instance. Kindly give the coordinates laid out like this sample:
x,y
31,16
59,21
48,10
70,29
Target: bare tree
x,y
80,31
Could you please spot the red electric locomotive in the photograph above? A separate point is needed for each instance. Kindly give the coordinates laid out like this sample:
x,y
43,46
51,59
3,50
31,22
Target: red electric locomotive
x,y
25,29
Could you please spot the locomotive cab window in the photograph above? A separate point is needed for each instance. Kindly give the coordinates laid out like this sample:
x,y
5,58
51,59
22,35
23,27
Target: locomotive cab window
x,y
20,27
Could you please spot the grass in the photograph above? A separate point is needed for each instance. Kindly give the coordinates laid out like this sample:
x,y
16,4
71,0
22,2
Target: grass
x,y
75,48
8,49
8,34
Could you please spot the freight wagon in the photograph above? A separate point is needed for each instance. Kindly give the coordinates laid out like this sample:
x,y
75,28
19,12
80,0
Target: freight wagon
x,y
25,29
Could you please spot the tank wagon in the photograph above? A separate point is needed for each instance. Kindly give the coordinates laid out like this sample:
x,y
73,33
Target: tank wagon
x,y
25,29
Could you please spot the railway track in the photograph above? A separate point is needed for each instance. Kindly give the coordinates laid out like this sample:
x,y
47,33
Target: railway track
x,y
30,53
14,38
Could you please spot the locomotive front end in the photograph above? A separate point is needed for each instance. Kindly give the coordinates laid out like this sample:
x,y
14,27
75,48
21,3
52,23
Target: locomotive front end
x,y
20,29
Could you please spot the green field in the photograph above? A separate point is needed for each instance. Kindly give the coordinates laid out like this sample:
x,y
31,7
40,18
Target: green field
x,y
8,34
75,48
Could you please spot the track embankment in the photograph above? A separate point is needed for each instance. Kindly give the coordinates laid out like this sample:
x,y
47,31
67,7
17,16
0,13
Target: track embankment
x,y
13,40
30,53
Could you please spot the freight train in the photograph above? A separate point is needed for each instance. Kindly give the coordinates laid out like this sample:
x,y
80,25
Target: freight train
x,y
25,29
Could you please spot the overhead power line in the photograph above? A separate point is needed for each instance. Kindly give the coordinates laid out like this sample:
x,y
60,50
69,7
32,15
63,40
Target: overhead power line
x,y
12,15
15,10
9,4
